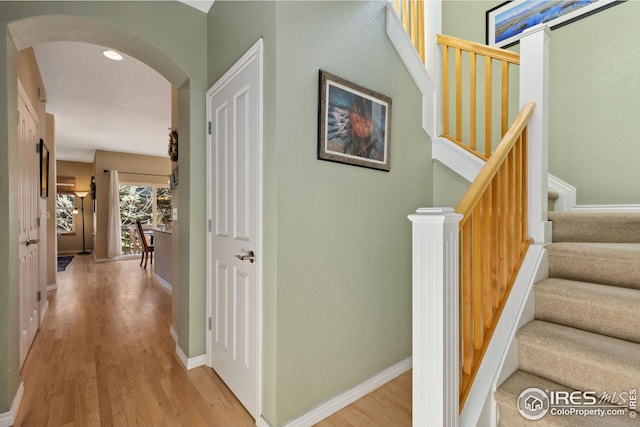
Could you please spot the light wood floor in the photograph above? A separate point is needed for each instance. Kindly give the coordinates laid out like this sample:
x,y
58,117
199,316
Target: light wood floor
x,y
104,357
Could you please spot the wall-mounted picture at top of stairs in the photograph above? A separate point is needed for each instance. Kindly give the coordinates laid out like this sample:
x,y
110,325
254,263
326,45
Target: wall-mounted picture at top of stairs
x,y
354,124
507,22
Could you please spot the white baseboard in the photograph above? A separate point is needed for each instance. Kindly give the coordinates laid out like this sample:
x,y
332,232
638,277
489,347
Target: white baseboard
x,y
7,418
173,334
262,422
190,362
43,313
606,208
165,285
342,400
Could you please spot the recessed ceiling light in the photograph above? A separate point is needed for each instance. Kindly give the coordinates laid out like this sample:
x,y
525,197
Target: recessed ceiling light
x,y
112,54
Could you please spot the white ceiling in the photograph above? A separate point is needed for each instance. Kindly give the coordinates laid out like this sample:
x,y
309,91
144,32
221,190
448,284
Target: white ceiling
x,y
100,104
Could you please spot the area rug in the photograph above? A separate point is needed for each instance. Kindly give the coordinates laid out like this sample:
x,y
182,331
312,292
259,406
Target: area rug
x,y
63,261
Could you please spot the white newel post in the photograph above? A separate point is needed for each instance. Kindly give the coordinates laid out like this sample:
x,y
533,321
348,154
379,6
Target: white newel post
x,y
435,317
534,86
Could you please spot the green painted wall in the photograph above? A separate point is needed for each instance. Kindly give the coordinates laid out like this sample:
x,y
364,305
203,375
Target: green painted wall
x,y
594,102
337,281
169,36
594,96
9,314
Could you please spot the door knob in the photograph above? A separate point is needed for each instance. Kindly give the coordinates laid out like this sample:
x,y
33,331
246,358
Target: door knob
x,y
32,241
250,256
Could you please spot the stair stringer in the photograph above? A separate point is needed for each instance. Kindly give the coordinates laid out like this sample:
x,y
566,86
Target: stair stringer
x,y
401,41
456,158
501,357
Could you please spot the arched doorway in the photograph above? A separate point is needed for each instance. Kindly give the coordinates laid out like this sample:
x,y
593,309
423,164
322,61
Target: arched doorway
x,y
116,26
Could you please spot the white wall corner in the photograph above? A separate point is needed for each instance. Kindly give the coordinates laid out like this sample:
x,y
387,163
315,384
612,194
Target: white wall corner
x,y
401,41
8,418
190,362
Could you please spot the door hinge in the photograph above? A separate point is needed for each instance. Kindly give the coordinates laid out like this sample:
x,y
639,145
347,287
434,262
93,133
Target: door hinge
x,y
39,295
209,128
209,225
209,323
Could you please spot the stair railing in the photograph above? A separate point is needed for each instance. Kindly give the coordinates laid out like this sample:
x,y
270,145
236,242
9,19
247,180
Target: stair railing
x,y
493,243
479,59
411,13
465,261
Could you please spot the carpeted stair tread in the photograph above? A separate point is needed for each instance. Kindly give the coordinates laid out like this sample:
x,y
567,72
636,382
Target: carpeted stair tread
x,y
615,264
507,394
603,227
606,310
578,359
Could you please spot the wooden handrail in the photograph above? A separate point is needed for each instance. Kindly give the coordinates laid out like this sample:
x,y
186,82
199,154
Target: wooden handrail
x,y
490,169
481,49
493,242
474,51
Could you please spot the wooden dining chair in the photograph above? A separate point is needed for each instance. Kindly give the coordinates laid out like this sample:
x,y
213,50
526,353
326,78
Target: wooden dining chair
x,y
147,247
136,243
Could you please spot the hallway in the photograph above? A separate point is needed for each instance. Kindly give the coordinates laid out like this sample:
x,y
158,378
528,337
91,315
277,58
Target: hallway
x,y
104,357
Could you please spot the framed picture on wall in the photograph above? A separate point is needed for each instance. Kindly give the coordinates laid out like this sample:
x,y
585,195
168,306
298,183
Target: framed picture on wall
x,y
507,22
354,124
44,170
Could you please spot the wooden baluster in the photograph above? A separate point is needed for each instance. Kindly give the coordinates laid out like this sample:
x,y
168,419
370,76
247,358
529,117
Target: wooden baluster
x,y
414,22
466,309
518,194
487,105
458,94
486,258
505,97
504,215
478,326
421,46
472,101
512,212
525,196
445,89
496,234
405,15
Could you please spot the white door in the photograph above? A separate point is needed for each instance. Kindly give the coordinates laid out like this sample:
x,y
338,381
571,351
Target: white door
x,y
234,148
27,223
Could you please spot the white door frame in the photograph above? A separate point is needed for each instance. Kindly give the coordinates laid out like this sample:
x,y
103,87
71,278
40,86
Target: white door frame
x,y
254,53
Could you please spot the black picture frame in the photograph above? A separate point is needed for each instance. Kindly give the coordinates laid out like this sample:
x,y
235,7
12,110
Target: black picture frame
x,y
44,169
354,124
506,22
